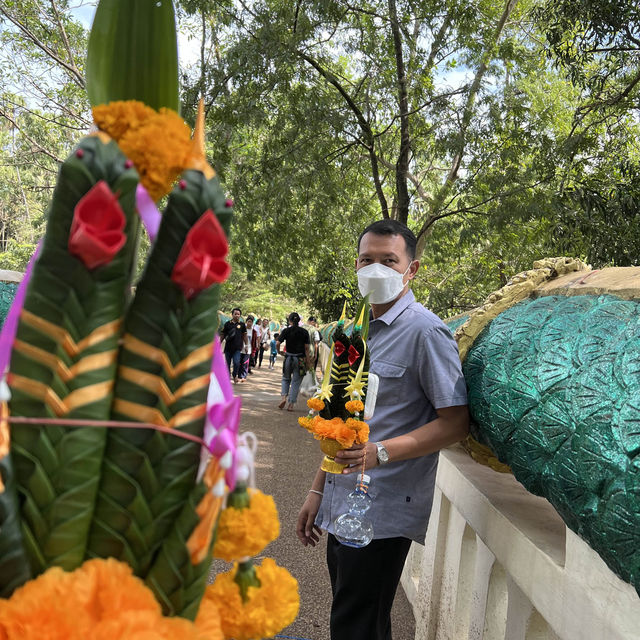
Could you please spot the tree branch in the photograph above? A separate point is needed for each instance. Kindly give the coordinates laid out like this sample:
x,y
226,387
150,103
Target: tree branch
x,y
27,137
363,123
467,115
75,74
402,164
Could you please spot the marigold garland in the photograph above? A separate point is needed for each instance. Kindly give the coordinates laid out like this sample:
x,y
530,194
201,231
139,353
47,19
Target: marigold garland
x,y
101,600
246,532
354,405
157,142
347,433
268,609
315,404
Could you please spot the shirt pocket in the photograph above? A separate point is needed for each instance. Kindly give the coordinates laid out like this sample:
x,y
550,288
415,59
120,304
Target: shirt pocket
x,y
390,389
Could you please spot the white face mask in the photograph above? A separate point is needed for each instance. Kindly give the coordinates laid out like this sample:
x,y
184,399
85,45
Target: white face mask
x,y
383,284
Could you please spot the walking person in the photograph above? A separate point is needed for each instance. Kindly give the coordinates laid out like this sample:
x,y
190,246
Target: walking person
x,y
273,354
421,408
245,364
234,334
316,338
298,354
265,339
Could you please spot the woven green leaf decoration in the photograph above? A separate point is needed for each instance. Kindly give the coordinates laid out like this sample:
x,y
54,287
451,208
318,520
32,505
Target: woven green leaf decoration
x,y
178,584
14,567
148,476
64,361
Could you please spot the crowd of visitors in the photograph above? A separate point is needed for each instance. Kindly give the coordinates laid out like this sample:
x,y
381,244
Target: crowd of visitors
x,y
245,343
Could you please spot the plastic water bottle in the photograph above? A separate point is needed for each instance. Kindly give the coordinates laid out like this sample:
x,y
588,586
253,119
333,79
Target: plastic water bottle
x,y
354,529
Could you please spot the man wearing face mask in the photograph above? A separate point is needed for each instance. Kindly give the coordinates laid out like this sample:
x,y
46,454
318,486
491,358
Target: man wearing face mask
x,y
421,408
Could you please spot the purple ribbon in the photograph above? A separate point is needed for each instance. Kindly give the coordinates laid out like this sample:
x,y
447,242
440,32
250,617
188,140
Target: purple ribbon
x,y
223,415
10,326
148,212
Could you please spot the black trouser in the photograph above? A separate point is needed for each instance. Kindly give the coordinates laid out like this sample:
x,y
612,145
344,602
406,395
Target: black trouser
x,y
261,349
364,583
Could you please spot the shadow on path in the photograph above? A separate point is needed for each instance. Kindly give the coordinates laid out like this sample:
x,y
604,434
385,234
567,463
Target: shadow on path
x,y
286,462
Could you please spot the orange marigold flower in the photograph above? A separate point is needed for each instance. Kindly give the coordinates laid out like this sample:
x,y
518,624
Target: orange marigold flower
x,y
354,405
246,532
157,142
116,118
101,599
361,428
269,608
317,404
334,429
306,422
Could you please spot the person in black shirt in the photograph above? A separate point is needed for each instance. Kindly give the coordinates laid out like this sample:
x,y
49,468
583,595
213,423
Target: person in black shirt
x,y
298,352
234,333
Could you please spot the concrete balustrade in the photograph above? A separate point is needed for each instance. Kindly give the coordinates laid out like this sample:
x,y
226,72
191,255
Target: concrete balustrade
x,y
500,564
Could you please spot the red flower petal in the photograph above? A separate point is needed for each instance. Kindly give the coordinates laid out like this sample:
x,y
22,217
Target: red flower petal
x,y
354,354
97,229
338,348
201,261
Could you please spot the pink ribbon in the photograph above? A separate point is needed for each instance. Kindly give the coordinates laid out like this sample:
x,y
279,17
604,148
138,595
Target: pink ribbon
x,y
148,212
223,415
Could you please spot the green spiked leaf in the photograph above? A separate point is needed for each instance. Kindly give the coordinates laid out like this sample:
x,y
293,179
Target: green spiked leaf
x,y
14,566
147,501
57,469
133,53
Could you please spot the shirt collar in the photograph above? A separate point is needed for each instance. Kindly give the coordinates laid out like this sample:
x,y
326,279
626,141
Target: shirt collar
x,y
401,304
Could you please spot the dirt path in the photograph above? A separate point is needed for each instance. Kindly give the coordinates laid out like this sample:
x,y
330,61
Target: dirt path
x,y
286,461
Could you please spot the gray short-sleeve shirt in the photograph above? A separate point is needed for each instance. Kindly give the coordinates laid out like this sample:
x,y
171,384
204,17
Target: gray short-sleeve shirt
x,y
416,358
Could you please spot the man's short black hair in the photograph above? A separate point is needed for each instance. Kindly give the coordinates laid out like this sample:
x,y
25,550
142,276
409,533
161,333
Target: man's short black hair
x,y
312,318
393,228
276,336
238,309
294,318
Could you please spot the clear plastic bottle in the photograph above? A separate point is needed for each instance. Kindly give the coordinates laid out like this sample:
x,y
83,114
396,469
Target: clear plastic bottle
x,y
353,528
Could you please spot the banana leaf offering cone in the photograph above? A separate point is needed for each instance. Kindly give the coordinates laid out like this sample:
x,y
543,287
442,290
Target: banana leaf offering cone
x,y
336,411
85,352
118,440
65,352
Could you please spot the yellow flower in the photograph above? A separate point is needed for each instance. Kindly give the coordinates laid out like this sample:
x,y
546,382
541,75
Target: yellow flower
x,y
268,609
157,142
101,600
246,532
306,422
316,404
354,405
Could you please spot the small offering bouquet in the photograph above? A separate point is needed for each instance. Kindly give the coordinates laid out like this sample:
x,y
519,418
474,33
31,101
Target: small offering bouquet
x,y
337,410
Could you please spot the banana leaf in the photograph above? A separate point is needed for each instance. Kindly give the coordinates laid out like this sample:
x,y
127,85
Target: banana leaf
x,y
14,567
64,361
137,35
148,476
177,584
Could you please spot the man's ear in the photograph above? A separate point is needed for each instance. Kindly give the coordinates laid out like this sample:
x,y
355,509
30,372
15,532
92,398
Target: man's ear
x,y
413,269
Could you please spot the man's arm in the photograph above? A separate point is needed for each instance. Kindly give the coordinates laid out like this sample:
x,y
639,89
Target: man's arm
x,y
306,529
451,426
